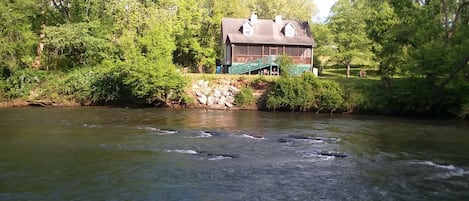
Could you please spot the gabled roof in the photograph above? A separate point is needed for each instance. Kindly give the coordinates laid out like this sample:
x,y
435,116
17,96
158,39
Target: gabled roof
x,y
266,32
289,23
247,22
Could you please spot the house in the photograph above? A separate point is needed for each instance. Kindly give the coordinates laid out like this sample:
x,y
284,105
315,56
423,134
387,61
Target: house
x,y
252,46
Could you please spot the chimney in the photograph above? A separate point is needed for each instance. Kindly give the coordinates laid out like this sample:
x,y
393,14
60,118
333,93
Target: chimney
x,y
278,19
253,18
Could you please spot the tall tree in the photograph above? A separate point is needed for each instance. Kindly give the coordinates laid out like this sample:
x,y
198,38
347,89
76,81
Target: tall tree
x,y
189,50
428,41
198,30
291,9
211,25
323,38
350,39
17,33
76,33
124,30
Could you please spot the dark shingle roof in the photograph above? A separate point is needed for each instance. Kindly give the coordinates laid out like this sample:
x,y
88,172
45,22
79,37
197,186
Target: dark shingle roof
x,y
266,32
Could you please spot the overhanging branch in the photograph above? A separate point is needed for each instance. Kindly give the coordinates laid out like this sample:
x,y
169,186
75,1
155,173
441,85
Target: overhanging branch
x,y
457,70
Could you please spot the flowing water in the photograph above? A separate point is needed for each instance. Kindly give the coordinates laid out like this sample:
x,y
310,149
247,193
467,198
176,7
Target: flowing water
x,y
160,154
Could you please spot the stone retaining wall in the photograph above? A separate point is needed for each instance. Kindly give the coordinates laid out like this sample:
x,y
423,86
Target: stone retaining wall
x,y
219,95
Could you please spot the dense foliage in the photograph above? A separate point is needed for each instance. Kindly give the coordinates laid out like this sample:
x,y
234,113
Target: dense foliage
x,y
305,93
128,51
245,97
425,42
110,51
102,52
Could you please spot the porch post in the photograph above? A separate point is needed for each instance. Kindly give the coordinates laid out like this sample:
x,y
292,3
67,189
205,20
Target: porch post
x,y
232,53
312,60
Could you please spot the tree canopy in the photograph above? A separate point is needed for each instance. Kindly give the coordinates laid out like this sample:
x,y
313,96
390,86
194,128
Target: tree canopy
x,y
349,39
424,40
139,41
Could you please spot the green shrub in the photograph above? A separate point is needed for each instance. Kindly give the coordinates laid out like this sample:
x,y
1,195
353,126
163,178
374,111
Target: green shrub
x,y
108,86
21,82
50,87
306,93
291,93
78,84
186,100
331,97
286,64
3,88
354,100
464,111
136,82
100,85
153,82
259,81
245,97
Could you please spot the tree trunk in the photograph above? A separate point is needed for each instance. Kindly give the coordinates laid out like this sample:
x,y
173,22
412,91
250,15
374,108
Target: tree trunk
x,y
455,21
446,20
40,47
200,65
348,70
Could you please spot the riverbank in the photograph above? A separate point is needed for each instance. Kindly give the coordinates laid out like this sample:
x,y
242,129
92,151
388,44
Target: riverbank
x,y
200,91
307,93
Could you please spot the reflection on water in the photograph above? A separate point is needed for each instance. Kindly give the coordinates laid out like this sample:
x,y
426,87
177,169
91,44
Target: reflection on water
x,y
159,154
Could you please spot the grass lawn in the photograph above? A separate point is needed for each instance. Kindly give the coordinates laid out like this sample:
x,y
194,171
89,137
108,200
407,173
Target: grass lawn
x,y
210,77
354,73
339,76
336,74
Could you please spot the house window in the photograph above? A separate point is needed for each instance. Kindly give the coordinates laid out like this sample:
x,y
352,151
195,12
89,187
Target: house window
x,y
241,50
247,29
280,50
291,50
289,30
305,52
266,50
255,50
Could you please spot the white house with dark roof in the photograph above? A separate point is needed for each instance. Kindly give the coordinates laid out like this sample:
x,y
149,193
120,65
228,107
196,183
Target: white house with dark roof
x,y
251,46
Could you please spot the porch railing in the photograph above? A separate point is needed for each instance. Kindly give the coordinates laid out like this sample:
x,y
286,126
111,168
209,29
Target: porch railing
x,y
246,59
251,66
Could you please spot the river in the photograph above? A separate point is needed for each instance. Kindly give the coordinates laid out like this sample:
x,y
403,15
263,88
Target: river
x,y
190,155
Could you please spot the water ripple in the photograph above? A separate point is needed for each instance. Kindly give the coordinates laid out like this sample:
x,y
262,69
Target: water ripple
x,y
449,170
182,151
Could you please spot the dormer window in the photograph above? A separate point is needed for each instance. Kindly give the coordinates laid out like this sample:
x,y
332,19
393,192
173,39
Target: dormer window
x,y
290,30
248,29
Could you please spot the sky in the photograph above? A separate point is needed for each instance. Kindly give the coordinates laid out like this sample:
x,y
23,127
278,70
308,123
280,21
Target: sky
x,y
323,6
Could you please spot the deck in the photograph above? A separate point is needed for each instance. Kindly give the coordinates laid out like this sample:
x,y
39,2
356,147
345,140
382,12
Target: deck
x,y
265,66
